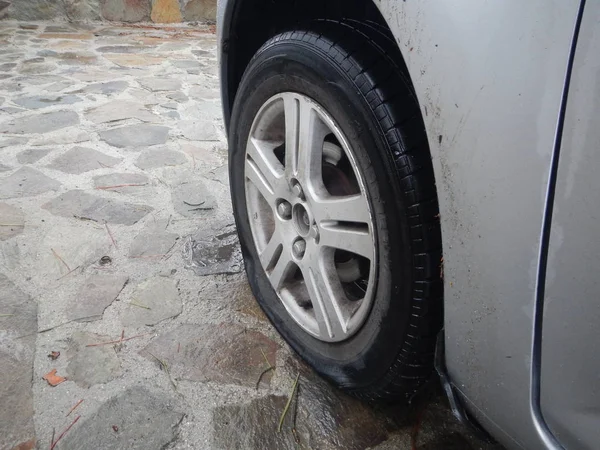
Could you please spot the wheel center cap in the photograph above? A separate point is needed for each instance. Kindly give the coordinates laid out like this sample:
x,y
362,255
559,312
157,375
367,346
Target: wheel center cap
x,y
302,219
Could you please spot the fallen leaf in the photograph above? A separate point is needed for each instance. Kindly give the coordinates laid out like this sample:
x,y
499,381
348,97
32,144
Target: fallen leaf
x,y
115,428
53,379
54,355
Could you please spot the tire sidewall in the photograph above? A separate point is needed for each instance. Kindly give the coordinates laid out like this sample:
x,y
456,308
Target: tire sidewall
x,y
294,67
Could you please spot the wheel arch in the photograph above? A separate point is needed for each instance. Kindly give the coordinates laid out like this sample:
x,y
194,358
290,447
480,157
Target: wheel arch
x,y
244,25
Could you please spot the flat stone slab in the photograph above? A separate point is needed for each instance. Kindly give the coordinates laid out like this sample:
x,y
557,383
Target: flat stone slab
x,y
120,110
12,222
31,155
199,130
110,87
16,368
122,48
69,136
40,123
13,141
209,154
97,293
192,199
121,182
82,159
78,244
137,60
224,353
159,300
211,251
26,182
91,365
135,136
44,101
160,84
159,157
178,97
144,420
202,92
80,204
324,418
151,244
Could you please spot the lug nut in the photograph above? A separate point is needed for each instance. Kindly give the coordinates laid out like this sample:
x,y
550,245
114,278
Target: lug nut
x,y
284,209
299,248
297,190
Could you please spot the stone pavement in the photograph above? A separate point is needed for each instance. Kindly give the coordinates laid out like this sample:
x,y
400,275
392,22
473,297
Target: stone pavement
x,y
120,267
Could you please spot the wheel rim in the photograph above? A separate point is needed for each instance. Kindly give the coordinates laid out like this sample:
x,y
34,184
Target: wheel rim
x,y
310,216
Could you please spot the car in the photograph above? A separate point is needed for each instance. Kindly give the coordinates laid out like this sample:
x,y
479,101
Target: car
x,y
415,187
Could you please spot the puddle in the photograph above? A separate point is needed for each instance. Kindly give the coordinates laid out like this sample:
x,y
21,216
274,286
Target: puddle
x,y
209,252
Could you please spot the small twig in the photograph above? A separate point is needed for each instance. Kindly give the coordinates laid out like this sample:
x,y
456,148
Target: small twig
x,y
168,221
164,364
60,259
74,407
110,235
89,219
264,371
12,224
68,273
53,434
266,359
54,442
287,405
103,165
139,305
6,315
118,341
195,204
121,185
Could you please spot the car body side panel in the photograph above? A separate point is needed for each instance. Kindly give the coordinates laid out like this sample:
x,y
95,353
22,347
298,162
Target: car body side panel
x,y
570,380
489,77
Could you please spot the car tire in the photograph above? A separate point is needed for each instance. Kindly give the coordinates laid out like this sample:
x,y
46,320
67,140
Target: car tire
x,y
348,76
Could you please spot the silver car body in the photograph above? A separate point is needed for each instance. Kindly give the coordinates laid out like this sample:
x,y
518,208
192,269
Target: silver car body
x,y
515,162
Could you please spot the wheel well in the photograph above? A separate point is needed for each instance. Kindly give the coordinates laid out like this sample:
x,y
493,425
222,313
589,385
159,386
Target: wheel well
x,y
253,22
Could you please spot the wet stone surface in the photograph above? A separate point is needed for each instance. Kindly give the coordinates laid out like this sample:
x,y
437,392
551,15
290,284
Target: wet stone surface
x,y
224,353
214,251
144,420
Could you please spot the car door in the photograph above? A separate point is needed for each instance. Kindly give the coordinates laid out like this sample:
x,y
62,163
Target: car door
x,y
570,364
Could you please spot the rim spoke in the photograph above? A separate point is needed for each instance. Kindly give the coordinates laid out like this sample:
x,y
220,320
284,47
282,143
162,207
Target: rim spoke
x,y
350,239
282,269
351,208
329,318
268,256
263,169
292,132
310,145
